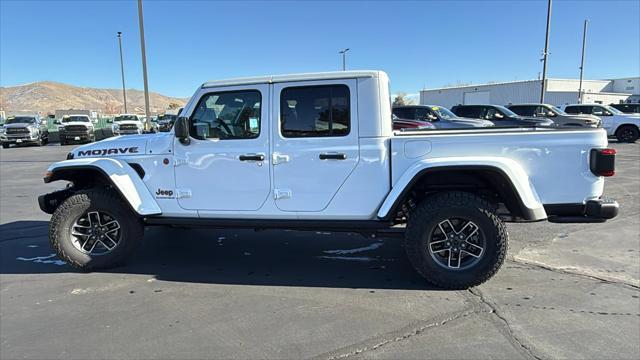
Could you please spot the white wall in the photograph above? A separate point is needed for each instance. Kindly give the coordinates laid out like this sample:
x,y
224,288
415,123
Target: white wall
x,y
559,92
627,85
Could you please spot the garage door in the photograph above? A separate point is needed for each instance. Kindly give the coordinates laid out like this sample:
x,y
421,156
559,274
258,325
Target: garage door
x,y
476,98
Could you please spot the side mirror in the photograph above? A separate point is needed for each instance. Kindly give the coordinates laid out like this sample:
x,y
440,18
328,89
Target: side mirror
x,y
549,114
181,129
57,122
432,117
109,121
95,121
498,116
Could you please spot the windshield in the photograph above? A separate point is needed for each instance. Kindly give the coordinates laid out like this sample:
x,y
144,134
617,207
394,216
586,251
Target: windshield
x,y
613,110
506,111
557,110
443,113
166,117
126,117
76,118
21,120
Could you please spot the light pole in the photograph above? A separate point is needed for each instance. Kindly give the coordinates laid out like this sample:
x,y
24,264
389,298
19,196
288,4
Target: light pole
x,y
545,54
147,122
344,55
584,45
124,91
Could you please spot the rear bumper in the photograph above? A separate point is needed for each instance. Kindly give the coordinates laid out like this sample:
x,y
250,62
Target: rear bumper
x,y
593,211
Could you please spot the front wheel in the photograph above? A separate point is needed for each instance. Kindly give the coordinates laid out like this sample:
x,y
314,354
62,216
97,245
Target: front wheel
x,y
94,229
455,240
627,133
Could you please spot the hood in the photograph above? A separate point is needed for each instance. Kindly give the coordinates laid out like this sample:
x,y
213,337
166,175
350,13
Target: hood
x,y
128,122
77,123
114,146
582,116
541,120
472,122
18,126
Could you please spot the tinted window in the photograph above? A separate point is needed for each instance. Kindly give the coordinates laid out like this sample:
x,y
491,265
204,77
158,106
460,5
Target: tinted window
x,y
21,120
227,115
468,111
310,111
600,111
404,113
423,114
524,110
578,109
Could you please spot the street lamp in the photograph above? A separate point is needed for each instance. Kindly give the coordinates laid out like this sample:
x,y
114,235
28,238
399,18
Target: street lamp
x,y
344,55
147,122
545,54
124,91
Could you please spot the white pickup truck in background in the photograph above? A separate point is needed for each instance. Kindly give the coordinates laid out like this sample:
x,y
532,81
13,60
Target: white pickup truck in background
x,y
317,152
622,126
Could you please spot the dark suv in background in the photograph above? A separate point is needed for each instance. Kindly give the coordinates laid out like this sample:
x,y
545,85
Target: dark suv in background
x,y
627,108
499,115
440,117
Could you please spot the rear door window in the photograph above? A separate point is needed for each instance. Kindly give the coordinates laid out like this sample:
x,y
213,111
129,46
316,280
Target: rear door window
x,y
315,111
578,109
524,110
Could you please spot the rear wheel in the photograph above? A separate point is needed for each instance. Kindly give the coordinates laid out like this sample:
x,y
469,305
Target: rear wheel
x,y
94,229
455,240
627,133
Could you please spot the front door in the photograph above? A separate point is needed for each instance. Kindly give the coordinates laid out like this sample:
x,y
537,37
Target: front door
x,y
226,164
315,142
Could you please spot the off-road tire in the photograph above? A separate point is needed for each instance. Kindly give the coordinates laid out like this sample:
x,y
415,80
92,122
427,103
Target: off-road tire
x,y
94,200
436,208
627,133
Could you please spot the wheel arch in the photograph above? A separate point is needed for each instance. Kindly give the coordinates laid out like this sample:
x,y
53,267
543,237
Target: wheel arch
x,y
86,173
504,177
626,124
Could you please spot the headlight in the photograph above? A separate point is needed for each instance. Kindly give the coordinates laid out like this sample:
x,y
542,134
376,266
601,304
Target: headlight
x,y
60,128
2,130
116,127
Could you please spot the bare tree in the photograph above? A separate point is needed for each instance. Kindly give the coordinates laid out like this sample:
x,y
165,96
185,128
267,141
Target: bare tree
x,y
400,99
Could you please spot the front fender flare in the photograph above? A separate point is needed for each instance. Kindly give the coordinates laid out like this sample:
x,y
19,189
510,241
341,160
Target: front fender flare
x,y
121,175
529,201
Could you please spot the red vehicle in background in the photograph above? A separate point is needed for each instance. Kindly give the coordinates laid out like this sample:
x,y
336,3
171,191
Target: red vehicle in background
x,y
400,124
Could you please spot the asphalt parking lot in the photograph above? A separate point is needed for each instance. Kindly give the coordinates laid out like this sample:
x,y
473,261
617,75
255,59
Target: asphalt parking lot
x,y
566,290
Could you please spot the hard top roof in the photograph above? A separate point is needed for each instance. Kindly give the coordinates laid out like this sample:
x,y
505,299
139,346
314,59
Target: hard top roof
x,y
269,79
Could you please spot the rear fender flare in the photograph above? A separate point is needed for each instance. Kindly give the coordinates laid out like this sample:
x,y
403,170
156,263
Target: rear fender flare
x,y
528,199
120,174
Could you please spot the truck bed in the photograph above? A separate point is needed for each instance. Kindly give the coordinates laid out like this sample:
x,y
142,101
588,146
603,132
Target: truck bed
x,y
555,160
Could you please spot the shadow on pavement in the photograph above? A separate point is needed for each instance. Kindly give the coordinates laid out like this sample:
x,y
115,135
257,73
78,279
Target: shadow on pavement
x,y
239,257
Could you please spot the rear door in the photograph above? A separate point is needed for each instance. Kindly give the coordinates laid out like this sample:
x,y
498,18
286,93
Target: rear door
x,y
314,142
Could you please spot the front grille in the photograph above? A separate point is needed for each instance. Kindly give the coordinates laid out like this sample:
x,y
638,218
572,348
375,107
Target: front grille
x,y
128,127
17,131
75,128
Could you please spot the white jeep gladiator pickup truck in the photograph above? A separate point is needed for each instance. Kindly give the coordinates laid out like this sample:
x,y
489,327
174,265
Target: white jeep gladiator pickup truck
x,y
317,152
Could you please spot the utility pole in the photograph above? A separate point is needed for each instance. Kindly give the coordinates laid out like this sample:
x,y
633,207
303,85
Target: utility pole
x,y
147,122
344,55
584,45
545,55
124,91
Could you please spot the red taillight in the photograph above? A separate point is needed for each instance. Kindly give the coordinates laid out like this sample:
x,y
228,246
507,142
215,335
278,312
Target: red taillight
x,y
602,162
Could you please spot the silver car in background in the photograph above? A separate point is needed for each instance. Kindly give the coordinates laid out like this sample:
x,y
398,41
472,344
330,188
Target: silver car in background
x,y
558,116
440,117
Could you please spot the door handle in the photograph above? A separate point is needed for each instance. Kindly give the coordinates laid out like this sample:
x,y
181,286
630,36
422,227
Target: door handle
x,y
252,157
333,156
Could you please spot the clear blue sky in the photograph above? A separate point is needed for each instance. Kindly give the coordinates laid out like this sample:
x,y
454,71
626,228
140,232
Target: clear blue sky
x,y
420,43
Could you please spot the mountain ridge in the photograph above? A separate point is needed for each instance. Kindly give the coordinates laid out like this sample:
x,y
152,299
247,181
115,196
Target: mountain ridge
x,y
47,96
